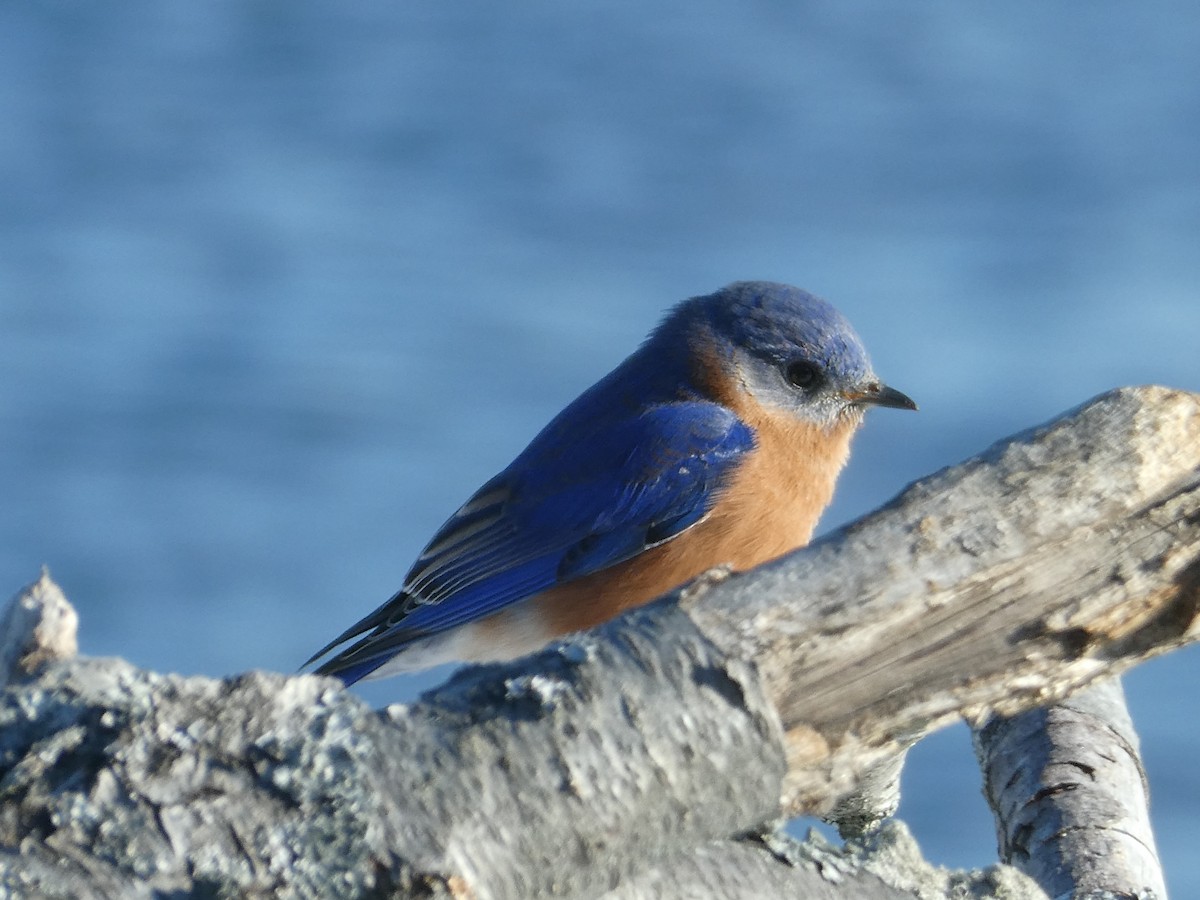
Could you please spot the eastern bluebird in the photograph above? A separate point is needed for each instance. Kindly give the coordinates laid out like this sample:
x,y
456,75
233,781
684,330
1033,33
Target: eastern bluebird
x,y
718,441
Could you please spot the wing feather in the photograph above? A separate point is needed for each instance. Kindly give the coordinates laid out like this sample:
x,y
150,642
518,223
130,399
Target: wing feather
x,y
567,507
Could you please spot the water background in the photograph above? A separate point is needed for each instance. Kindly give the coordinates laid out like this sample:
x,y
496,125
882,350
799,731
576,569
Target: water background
x,y
282,283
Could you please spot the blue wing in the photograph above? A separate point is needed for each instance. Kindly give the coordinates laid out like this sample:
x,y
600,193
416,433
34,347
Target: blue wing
x,y
578,500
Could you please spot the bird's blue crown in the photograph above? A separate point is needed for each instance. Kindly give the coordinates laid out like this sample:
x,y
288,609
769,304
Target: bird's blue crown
x,y
775,322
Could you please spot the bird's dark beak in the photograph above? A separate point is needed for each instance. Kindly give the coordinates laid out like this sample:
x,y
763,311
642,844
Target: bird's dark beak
x,y
875,394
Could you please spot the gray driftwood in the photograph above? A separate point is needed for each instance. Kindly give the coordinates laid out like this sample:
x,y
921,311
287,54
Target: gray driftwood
x,y
1070,796
666,743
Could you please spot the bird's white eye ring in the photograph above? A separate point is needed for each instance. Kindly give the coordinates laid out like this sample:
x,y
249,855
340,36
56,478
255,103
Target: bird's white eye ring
x,y
803,374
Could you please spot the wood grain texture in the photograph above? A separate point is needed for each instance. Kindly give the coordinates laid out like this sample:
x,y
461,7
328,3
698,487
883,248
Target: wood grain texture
x,y
1006,582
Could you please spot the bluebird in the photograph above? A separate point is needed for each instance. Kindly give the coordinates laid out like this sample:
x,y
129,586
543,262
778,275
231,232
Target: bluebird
x,y
718,441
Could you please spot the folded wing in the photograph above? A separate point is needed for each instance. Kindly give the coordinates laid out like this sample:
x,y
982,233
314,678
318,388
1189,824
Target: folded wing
x,y
564,509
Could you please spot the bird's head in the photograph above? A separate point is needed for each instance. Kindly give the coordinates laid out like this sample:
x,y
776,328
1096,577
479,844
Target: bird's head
x,y
786,349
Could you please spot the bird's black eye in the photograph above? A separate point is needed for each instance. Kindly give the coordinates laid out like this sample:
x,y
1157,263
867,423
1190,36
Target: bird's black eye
x,y
803,374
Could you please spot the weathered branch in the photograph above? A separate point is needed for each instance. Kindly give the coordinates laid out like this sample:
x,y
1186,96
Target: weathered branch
x,y
37,627
1005,582
886,865
1070,795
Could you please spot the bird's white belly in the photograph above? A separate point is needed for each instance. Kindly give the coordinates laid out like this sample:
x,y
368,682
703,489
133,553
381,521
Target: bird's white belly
x,y
517,631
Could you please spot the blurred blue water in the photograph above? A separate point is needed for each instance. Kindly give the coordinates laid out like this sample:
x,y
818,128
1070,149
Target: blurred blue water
x,y
281,283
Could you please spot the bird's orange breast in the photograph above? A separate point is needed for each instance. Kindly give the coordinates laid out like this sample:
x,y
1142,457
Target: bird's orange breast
x,y
770,506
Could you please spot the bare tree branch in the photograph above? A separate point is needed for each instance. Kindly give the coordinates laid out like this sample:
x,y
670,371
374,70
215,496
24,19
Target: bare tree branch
x,y
1003,583
1009,581
1070,794
38,626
